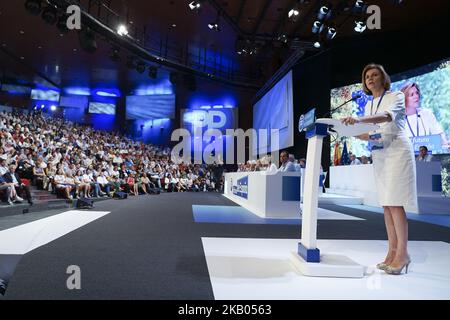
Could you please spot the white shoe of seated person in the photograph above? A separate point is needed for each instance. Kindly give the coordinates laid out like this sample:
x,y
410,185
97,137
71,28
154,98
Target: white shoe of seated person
x,y
18,199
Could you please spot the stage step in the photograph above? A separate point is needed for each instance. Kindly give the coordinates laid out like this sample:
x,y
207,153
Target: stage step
x,y
332,198
39,206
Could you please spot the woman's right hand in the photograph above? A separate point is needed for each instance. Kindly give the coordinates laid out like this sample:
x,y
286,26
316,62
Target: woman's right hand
x,y
349,120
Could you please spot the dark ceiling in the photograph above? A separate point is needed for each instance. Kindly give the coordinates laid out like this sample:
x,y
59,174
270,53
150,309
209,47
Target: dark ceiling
x,y
33,50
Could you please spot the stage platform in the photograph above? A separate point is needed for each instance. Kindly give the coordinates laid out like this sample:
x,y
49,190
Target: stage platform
x,y
260,269
333,198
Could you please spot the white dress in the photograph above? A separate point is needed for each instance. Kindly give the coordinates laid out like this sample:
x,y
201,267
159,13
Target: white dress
x,y
423,123
394,165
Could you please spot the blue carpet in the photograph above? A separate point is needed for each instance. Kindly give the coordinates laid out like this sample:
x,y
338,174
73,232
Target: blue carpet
x,y
441,220
233,214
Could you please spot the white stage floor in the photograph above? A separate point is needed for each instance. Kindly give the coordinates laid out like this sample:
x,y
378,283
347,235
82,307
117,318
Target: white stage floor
x,y
338,199
259,269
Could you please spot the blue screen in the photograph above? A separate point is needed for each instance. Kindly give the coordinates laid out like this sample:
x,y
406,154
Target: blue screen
x,y
46,95
275,111
78,102
102,108
151,107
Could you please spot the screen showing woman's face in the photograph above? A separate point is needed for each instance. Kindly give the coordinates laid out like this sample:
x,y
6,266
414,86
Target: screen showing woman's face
x,y
412,99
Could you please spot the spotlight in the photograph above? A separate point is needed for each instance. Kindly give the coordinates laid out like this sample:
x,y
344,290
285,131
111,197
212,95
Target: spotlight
x,y
33,6
359,6
50,15
153,72
331,33
360,26
293,14
114,54
317,27
324,13
87,40
195,5
60,4
122,30
214,26
283,38
140,67
53,108
317,44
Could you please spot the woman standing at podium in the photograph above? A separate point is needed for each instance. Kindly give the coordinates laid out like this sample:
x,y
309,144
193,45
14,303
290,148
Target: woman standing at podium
x,y
393,162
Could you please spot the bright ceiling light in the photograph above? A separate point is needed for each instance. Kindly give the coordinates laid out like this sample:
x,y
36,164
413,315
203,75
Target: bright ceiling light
x,y
122,30
360,26
194,5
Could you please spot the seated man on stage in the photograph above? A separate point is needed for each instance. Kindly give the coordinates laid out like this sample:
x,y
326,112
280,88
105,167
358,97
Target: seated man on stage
x,y
286,164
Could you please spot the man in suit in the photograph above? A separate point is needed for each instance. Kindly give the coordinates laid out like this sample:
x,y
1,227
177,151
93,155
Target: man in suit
x,y
423,155
286,164
13,177
5,186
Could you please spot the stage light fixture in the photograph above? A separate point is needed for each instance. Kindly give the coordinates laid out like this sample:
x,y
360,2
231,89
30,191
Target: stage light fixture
x,y
331,33
195,5
293,14
359,7
283,38
140,67
50,15
114,54
153,72
33,6
214,26
324,13
122,30
317,27
360,26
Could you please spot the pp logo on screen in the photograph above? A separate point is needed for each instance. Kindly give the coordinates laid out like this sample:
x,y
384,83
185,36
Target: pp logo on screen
x,y
210,119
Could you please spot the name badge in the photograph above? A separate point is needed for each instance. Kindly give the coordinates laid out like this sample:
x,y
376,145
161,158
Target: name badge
x,y
376,141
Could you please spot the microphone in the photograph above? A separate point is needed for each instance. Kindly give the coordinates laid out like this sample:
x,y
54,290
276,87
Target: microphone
x,y
356,97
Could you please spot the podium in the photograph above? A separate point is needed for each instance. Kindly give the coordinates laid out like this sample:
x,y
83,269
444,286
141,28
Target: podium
x,y
308,258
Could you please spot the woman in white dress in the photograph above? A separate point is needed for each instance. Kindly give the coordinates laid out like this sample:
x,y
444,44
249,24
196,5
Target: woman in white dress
x,y
393,161
420,121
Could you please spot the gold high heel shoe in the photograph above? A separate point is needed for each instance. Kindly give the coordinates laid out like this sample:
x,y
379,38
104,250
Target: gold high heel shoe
x,y
398,271
382,266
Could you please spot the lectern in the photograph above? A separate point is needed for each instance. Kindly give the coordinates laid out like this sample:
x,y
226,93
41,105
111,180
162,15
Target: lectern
x,y
308,259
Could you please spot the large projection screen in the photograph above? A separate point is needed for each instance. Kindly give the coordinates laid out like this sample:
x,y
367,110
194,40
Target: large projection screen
x,y
275,110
